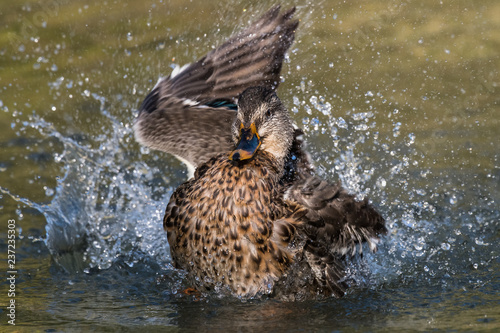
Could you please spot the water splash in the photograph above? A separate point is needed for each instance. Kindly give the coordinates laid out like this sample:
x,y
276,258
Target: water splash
x,y
426,243
103,206
108,205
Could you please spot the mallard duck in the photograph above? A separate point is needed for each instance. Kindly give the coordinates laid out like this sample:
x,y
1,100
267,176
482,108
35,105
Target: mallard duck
x,y
254,219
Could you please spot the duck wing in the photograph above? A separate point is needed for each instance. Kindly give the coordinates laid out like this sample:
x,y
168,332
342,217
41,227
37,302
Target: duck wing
x,y
190,112
335,225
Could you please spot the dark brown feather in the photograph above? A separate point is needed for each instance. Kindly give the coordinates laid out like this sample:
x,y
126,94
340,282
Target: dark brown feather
x,y
334,217
240,246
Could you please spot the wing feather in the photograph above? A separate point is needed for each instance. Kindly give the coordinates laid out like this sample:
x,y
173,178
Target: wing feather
x,y
178,116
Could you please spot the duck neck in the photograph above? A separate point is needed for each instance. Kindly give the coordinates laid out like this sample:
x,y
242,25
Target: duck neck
x,y
270,161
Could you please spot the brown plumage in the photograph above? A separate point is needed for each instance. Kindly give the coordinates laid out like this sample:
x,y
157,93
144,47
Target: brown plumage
x,y
254,219
222,225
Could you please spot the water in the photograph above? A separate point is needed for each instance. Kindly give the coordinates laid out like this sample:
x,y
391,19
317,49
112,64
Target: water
x,y
399,101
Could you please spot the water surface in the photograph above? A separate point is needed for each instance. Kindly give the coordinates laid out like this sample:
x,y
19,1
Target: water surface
x,y
399,100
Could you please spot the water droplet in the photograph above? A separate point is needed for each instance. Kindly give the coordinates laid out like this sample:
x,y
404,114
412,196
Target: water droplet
x,y
395,131
341,123
411,136
479,241
362,116
453,199
302,86
129,36
361,127
327,109
315,122
381,183
333,131
314,101
420,192
445,246
48,191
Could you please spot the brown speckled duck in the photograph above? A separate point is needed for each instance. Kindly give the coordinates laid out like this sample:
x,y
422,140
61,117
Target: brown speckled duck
x,y
254,219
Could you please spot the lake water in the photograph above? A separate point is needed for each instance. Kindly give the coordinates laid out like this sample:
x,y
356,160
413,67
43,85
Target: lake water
x,y
399,99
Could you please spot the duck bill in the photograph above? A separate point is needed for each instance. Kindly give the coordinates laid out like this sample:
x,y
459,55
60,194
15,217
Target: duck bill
x,y
248,144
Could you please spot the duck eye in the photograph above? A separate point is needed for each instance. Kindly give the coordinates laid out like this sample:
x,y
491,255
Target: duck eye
x,y
268,113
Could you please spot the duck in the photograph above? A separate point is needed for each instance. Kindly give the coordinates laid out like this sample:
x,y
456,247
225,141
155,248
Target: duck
x,y
253,218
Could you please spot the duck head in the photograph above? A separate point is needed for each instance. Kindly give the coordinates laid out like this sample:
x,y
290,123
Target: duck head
x,y
262,124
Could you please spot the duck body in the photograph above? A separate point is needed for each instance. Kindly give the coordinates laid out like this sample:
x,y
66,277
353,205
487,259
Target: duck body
x,y
254,219
244,223
222,226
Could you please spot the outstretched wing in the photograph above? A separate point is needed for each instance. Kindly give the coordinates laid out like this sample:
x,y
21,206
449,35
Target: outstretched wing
x,y
189,113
